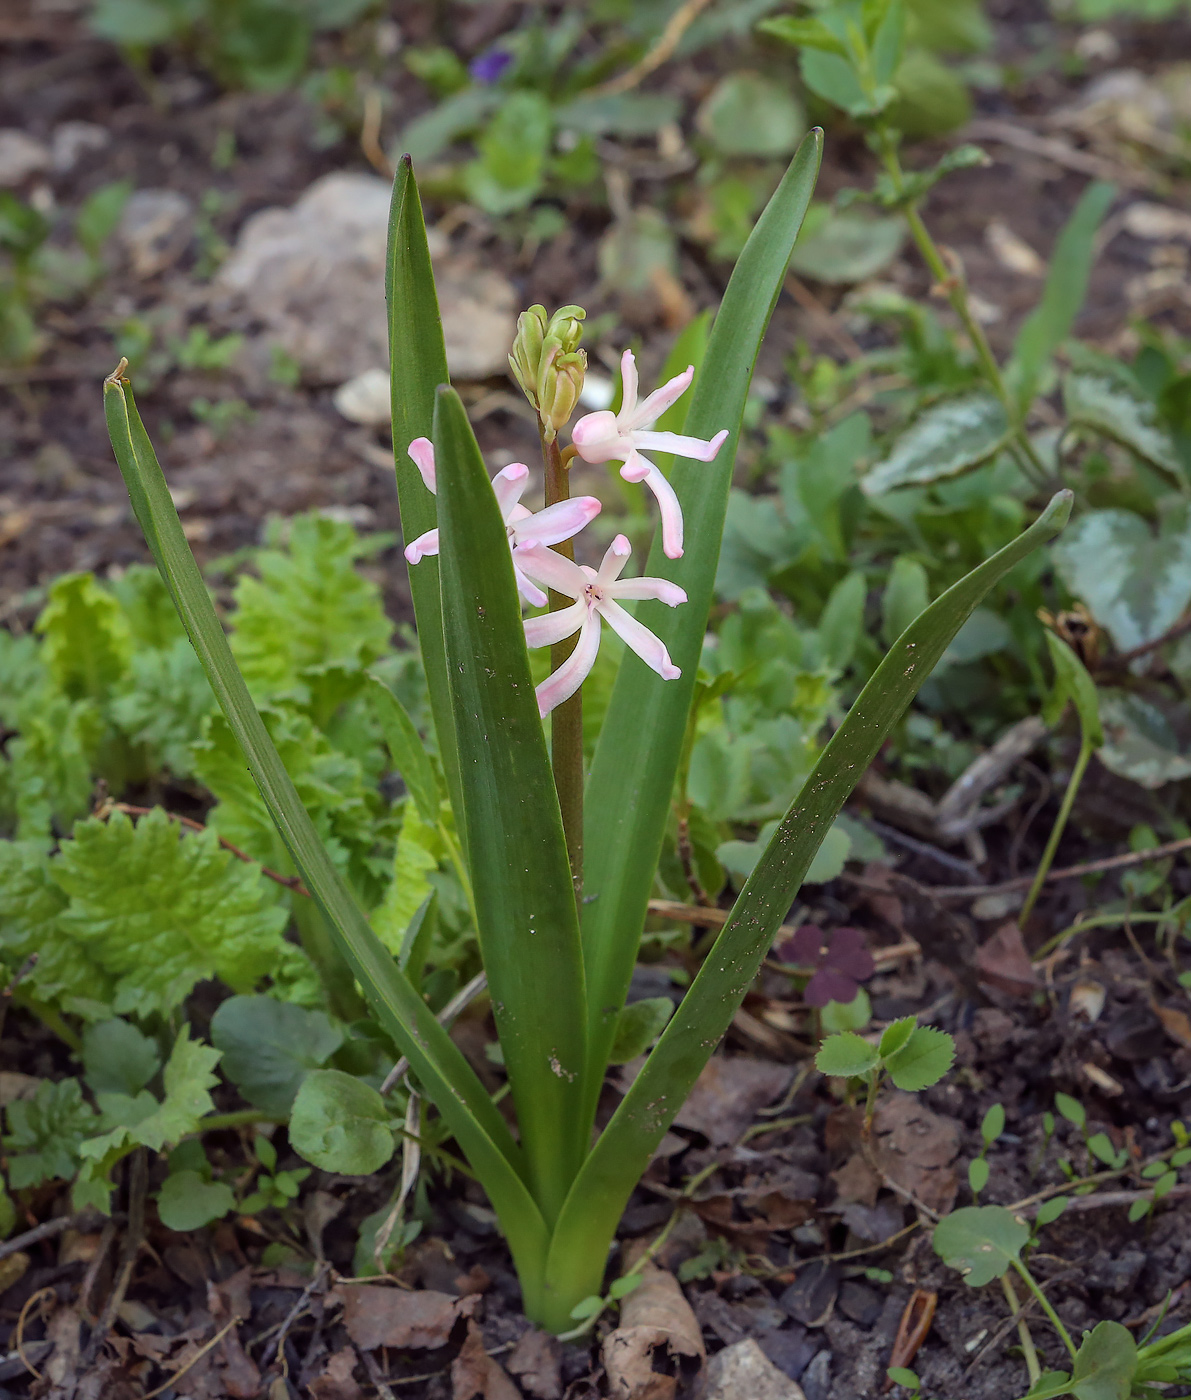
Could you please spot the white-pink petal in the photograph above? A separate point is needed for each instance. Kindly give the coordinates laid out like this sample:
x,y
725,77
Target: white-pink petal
x,y
616,556
550,569
509,483
564,682
634,634
597,437
529,590
628,385
421,451
635,590
557,522
549,628
681,445
658,402
424,545
639,468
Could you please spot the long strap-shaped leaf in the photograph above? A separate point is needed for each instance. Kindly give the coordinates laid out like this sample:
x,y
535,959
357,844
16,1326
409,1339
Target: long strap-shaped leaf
x,y
417,366
632,778
444,1072
525,903
626,1145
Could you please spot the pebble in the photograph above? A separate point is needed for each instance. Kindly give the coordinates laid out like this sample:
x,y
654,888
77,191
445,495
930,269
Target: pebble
x,y
816,1379
365,399
791,1349
155,229
743,1370
810,1297
859,1302
20,157
71,141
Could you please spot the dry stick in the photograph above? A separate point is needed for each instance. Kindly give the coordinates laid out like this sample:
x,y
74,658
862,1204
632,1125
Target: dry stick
x,y
106,1236
137,1183
1172,634
46,1231
458,1003
668,40
370,135
20,1334
296,1311
198,1356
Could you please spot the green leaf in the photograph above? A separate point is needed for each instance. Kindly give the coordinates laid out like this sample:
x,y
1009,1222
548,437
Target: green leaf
x,y
902,1375
341,1124
842,620
512,154
950,438
269,1047
1049,1211
980,1241
1049,1385
163,702
527,922
618,114
187,1202
44,1133
1139,1210
896,1035
587,1307
48,776
849,247
747,114
427,136
992,1125
808,33
88,643
624,1285
636,759
118,1058
978,1174
1135,584
851,1015
1100,1146
1105,1364
1073,682
846,1054
1050,323
1105,406
406,748
1140,742
640,1024
159,910
416,858
923,1060
1071,1109
906,595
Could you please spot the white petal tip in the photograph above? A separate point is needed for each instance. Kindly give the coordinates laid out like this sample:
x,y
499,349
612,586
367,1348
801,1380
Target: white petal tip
x,y
672,553
621,547
670,673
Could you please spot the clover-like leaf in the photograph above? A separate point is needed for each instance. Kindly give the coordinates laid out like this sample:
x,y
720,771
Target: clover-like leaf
x,y
980,1241
923,1060
846,1054
1105,1364
896,1035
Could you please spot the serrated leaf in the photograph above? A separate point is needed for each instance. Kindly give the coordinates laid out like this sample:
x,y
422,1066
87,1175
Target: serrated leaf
x,y
163,702
160,910
341,1124
923,1060
1105,1364
118,1058
846,1054
1136,585
47,783
1107,407
88,643
406,748
269,1047
980,1241
895,1036
145,601
187,1202
948,439
45,1132
416,857
640,1024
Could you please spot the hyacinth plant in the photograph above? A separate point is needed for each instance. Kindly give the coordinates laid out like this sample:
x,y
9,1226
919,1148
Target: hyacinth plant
x,y
561,860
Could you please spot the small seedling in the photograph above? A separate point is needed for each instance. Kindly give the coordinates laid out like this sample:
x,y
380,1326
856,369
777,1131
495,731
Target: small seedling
x,y
991,1128
275,1190
914,1057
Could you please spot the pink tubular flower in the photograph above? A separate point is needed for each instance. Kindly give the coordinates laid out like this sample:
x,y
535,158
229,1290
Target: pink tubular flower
x,y
550,526
619,437
595,594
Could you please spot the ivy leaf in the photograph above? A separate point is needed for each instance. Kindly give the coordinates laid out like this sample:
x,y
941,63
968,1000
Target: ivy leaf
x,y
187,1202
45,1132
923,1060
341,1124
269,1047
88,643
846,1054
1105,1364
980,1241
160,910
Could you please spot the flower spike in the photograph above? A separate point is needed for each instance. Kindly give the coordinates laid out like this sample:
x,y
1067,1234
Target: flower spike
x,y
595,593
550,526
620,437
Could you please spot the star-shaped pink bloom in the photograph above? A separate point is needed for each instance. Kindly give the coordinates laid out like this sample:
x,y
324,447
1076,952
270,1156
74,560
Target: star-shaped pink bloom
x,y
620,437
550,526
595,594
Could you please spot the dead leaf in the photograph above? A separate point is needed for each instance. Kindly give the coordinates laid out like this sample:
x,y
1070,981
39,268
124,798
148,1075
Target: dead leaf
x,y
12,1269
657,1329
1175,1023
856,1182
1012,251
728,1095
477,1376
228,1300
536,1361
1003,962
338,1381
391,1317
915,1148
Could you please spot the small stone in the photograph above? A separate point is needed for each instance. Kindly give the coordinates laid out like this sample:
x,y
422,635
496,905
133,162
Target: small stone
x,y
743,1370
155,229
73,140
816,1379
365,399
1114,1275
811,1297
20,157
859,1302
790,1350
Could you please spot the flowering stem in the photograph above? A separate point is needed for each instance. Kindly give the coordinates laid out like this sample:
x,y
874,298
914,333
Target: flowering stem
x,y
566,720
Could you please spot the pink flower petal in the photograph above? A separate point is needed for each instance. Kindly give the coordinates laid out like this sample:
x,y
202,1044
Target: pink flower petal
x,y
573,671
596,436
658,402
529,590
635,589
509,483
551,570
616,556
425,544
683,446
549,628
557,522
421,451
629,386
648,647
644,470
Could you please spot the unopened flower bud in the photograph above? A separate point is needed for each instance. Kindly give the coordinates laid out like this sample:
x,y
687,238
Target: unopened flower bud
x,y
526,353
560,382
565,328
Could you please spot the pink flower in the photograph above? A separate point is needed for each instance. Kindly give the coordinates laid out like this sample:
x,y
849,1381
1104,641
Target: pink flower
x,y
550,526
595,594
619,437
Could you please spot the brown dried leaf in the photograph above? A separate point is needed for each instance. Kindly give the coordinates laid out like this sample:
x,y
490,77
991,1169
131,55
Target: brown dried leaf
x,y
657,1329
536,1361
338,1381
1003,962
477,1376
915,1149
856,1181
1175,1023
391,1317
728,1094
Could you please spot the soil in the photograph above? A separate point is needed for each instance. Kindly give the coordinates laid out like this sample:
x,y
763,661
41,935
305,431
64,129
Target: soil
x,y
782,1190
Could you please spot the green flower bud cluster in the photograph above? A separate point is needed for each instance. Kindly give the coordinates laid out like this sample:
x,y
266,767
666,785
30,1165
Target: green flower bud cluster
x,y
548,364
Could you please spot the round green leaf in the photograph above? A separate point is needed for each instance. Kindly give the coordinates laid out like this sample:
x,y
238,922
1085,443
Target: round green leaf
x,y
1105,1364
980,1241
748,115
269,1047
640,1024
846,1054
187,1202
118,1058
341,1124
923,1060
851,1015
845,248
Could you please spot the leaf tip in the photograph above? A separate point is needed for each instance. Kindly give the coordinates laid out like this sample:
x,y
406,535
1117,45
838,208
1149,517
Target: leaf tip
x,y
118,376
1058,512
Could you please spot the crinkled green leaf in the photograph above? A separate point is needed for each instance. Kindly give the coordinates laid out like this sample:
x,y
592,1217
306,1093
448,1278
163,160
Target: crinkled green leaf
x,y
163,702
417,856
159,910
923,1060
88,642
46,782
1105,406
269,1047
341,1124
187,1202
118,1058
22,672
949,438
148,608
846,1054
44,1133
980,1241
